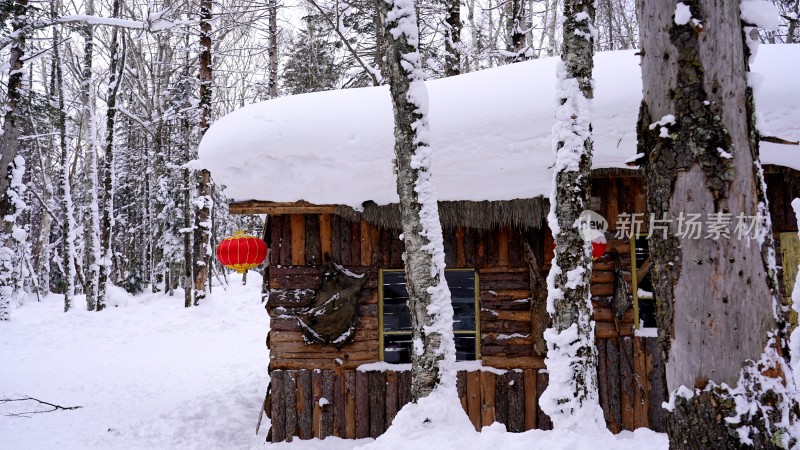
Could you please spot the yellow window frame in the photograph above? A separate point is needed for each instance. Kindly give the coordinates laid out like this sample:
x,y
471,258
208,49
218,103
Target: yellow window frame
x,y
476,332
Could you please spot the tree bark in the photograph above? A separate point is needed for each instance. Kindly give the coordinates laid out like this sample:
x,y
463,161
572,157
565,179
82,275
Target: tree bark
x,y
92,232
9,140
203,201
573,387
452,38
107,224
273,48
716,297
429,298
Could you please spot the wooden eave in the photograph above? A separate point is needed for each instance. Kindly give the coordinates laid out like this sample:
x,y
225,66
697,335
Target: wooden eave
x,y
278,208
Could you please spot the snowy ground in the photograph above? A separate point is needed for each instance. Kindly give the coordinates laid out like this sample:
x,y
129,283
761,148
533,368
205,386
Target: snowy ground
x,y
151,374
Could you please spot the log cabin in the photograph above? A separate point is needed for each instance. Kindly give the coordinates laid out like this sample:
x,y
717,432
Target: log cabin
x,y
318,166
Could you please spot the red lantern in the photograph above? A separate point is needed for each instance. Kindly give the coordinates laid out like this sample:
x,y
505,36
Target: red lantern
x,y
241,252
599,246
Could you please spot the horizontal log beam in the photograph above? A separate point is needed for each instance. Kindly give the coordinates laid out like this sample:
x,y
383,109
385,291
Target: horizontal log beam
x,y
278,208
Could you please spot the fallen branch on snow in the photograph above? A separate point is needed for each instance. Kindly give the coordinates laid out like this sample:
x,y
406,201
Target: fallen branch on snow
x,y
26,398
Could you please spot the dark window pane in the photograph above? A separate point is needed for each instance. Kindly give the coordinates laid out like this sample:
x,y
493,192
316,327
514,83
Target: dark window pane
x,y
465,348
397,348
396,316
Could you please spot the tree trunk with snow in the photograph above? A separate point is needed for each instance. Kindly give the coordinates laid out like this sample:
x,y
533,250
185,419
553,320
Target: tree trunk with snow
x,y
68,226
272,48
92,228
452,38
115,79
429,298
717,301
203,202
9,140
571,399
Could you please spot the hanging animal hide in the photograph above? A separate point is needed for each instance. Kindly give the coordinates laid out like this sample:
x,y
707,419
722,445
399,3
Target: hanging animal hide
x,y
620,302
333,317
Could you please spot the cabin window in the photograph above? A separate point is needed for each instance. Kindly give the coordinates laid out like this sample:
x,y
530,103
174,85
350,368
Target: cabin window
x,y
644,307
395,318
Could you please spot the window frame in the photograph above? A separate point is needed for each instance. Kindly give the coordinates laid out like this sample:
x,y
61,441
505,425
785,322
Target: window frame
x,y
476,332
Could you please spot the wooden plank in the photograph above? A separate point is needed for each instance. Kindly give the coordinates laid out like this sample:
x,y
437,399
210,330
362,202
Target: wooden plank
x,y
614,392
516,402
602,377
627,382
386,248
641,384
274,244
345,242
326,419
488,382
607,330
325,235
531,405
470,247
305,405
316,394
349,404
403,388
461,257
290,298
278,208
280,279
362,404
657,416
473,381
355,243
502,246
297,337
313,241
290,397
336,239
366,244
612,203
338,405
391,397
398,248
298,225
519,362
278,406
286,242
543,420
501,398
461,389
377,403
450,243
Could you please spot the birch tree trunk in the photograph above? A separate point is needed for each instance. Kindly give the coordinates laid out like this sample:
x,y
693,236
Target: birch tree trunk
x,y
717,304
571,399
92,231
68,227
115,79
9,140
273,48
203,202
429,297
452,38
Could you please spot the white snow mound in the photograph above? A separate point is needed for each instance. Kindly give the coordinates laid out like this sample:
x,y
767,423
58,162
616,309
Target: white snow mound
x,y
490,133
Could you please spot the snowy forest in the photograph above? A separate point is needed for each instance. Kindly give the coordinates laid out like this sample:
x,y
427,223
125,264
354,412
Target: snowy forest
x,y
105,198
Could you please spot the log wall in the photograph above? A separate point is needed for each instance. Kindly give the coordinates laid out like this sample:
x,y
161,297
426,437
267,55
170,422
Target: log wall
x,y
350,403
362,404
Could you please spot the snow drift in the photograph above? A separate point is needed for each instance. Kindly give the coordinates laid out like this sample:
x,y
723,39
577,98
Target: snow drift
x,y
490,133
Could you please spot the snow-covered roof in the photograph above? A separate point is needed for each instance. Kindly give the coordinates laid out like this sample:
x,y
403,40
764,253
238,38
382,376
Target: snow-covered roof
x,y
491,133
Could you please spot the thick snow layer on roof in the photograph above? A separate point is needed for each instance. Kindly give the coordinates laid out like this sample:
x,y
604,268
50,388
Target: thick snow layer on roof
x,y
491,133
